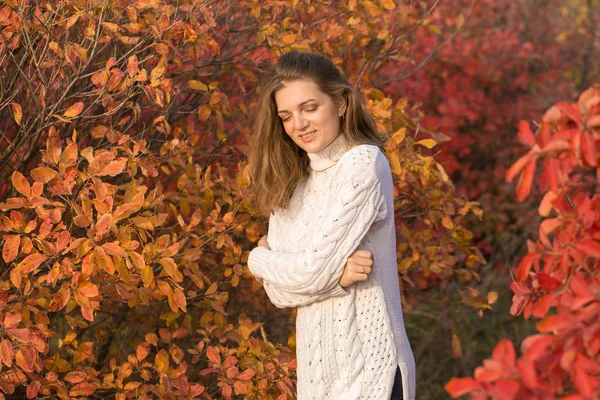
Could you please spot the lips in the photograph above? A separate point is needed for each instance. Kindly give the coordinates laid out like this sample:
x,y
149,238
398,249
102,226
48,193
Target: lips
x,y
307,136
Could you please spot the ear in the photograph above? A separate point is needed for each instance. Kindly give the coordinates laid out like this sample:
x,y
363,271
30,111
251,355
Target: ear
x,y
342,104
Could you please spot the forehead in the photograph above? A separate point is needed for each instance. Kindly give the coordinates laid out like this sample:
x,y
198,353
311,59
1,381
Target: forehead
x,y
294,93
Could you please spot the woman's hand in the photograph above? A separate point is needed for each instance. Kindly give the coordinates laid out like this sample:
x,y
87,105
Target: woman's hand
x,y
262,243
358,267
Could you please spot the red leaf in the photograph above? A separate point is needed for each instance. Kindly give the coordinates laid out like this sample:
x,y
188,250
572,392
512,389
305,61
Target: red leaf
x,y
526,179
589,247
505,353
547,282
554,324
588,149
457,387
11,247
525,135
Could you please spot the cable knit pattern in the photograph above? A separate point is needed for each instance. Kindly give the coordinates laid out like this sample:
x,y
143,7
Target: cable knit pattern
x,y
348,341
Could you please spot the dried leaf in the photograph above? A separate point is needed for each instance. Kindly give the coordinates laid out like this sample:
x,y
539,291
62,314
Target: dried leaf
x,y
17,112
74,110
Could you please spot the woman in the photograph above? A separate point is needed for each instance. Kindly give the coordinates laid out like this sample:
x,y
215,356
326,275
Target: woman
x,y
316,167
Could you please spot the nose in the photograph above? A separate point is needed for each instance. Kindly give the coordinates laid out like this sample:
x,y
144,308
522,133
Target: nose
x,y
300,123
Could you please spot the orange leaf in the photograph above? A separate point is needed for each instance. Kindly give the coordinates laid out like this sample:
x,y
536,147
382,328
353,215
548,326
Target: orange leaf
x,y
32,389
142,350
168,265
75,377
180,299
114,249
60,300
82,389
162,361
113,168
68,156
89,289
518,166
103,224
547,227
43,174
213,355
21,184
25,358
132,66
11,247
17,112
31,262
6,352
74,110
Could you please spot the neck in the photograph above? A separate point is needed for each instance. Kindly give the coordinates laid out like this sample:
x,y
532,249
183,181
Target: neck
x,y
329,155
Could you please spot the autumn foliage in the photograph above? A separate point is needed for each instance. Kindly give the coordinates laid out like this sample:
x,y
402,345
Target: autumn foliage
x,y
557,280
125,219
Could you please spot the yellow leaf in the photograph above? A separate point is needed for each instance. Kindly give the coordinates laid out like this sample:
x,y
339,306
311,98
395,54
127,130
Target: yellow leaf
x,y
197,85
429,143
168,265
447,222
147,276
492,297
289,38
162,361
388,4
74,110
395,164
17,112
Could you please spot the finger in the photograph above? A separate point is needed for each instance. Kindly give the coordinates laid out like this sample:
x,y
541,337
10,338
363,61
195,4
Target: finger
x,y
362,269
362,253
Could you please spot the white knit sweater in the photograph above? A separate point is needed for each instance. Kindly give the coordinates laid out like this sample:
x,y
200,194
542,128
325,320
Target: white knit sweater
x,y
348,341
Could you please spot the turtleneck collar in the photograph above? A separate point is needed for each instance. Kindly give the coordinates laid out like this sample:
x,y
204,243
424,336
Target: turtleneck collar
x,y
328,156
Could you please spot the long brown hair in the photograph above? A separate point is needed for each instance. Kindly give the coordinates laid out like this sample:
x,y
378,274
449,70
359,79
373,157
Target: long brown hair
x,y
276,164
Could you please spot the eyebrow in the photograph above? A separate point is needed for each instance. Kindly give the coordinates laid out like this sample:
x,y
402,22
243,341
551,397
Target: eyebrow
x,y
299,105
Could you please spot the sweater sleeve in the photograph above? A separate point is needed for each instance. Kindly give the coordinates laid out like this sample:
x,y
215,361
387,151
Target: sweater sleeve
x,y
283,298
358,204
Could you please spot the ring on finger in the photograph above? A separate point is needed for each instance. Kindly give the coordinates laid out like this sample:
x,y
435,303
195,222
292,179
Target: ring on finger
x,y
363,271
